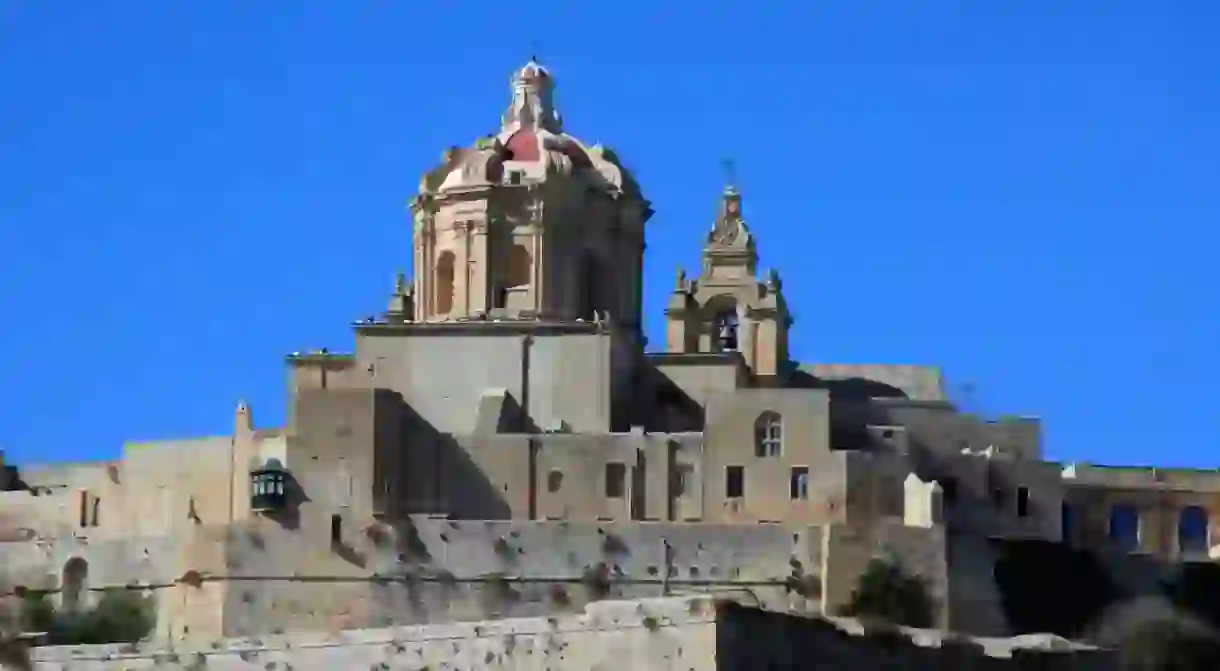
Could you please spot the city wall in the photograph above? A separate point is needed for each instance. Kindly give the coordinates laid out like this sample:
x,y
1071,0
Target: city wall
x,y
440,570
688,633
269,578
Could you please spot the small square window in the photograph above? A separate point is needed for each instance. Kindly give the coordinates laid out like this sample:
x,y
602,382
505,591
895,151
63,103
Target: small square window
x,y
734,482
616,480
798,483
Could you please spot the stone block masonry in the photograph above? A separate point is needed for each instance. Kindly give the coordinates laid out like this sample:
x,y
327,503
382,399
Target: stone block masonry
x,y
688,633
442,570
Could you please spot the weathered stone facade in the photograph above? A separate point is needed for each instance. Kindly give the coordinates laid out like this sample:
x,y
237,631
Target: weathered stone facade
x,y
499,442
693,633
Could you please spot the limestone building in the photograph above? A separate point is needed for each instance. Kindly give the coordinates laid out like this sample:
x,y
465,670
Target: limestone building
x,y
500,428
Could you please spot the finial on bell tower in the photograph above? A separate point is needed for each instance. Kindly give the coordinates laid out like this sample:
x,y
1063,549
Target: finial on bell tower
x,y
534,51
730,174
729,229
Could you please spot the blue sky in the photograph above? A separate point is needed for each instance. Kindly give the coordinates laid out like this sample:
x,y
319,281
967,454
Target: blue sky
x,y
1025,193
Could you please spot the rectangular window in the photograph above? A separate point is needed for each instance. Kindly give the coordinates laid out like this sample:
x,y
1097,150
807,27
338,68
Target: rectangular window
x,y
798,484
948,489
1022,501
84,509
336,530
735,482
616,480
1067,528
998,498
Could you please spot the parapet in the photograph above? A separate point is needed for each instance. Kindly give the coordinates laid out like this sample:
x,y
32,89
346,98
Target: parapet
x,y
1143,477
323,369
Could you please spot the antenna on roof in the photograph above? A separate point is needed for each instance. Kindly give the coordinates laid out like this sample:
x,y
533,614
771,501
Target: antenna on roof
x,y
534,51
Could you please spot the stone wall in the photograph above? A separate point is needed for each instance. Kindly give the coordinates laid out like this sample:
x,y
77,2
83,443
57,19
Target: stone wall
x,y
690,633
920,552
442,570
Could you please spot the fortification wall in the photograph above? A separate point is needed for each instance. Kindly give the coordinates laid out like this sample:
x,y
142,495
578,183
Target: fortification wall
x,y
268,578
112,563
699,634
919,551
442,570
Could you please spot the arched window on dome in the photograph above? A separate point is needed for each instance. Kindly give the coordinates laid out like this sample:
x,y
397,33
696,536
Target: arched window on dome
x,y
519,263
516,280
444,283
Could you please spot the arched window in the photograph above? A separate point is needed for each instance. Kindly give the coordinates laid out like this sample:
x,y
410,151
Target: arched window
x,y
724,331
517,270
1125,527
516,278
768,435
1192,531
75,581
444,283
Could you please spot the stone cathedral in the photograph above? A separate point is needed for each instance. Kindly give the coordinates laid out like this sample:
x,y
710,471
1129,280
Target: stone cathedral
x,y
501,441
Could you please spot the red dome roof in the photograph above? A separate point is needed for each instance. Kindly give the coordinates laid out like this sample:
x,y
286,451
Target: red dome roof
x,y
523,146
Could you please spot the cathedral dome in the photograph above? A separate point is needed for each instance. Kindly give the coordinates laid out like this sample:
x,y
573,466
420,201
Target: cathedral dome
x,y
530,146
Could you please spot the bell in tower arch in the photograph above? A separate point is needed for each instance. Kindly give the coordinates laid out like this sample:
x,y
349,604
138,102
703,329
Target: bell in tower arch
x,y
725,330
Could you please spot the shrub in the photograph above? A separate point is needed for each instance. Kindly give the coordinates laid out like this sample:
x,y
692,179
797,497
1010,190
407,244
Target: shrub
x,y
120,616
1194,588
37,613
1052,588
1149,633
886,592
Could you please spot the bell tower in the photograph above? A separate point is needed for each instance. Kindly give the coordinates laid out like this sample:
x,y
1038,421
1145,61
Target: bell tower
x,y
726,309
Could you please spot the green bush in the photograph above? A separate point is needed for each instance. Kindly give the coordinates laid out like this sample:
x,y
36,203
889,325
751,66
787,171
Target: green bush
x,y
1151,634
1052,588
37,613
886,592
1194,588
120,616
